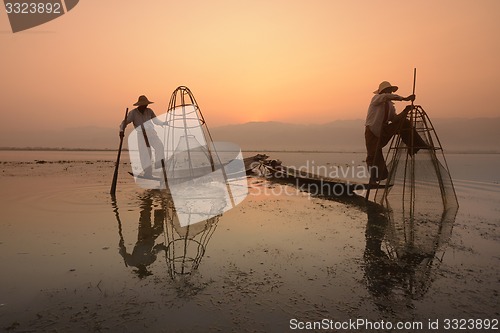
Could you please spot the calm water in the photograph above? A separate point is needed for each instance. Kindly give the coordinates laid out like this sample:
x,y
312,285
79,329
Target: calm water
x,y
72,255
463,167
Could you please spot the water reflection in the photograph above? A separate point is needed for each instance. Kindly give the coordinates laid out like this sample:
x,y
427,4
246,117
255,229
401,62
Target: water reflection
x,y
402,256
184,247
145,250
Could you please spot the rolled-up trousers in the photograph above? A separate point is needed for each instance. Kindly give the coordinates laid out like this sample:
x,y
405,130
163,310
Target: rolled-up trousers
x,y
375,157
145,151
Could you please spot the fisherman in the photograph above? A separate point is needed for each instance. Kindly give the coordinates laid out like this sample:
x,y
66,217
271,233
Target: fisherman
x,y
382,123
143,118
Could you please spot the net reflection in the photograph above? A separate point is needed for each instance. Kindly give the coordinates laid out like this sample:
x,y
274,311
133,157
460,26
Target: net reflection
x,y
402,258
184,246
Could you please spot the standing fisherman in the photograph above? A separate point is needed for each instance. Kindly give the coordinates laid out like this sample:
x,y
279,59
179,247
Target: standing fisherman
x,y
146,135
382,123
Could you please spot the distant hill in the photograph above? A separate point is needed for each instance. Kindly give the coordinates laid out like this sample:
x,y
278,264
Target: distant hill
x,y
469,135
334,136
456,135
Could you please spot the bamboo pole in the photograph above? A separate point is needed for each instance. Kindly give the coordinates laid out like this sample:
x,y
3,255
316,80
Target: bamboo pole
x,y
115,175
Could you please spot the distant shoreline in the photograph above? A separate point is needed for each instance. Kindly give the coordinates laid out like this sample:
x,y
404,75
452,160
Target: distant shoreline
x,y
244,150
55,149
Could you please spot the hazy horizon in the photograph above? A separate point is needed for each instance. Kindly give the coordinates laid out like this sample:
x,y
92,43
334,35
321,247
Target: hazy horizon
x,y
456,135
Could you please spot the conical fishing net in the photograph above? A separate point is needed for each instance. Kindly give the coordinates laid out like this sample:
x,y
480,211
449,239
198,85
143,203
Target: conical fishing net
x,y
418,203
189,148
204,178
419,194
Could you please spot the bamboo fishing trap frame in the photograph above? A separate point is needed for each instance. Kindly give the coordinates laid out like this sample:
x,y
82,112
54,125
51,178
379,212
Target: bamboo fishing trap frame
x,y
418,181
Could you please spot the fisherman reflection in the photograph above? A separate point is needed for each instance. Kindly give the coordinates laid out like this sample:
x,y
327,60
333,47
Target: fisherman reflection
x,y
403,269
380,272
145,251
386,273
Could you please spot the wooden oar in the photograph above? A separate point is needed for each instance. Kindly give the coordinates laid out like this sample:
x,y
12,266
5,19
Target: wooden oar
x,y
115,175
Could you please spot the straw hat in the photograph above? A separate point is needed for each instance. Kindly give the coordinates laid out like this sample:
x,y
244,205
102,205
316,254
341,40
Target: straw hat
x,y
143,100
384,85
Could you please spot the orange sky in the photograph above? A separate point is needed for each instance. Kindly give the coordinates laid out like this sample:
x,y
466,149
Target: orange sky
x,y
293,61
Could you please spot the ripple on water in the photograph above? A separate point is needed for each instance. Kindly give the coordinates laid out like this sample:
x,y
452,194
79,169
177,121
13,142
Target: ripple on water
x,y
88,198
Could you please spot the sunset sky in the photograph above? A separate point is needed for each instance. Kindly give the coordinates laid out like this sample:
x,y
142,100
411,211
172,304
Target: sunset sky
x,y
282,60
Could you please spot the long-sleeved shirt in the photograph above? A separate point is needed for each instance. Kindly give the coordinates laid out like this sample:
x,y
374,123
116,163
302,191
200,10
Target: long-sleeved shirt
x,y
137,118
376,111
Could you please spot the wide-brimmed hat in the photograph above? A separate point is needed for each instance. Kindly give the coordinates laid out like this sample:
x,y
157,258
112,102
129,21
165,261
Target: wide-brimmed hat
x,y
384,85
143,100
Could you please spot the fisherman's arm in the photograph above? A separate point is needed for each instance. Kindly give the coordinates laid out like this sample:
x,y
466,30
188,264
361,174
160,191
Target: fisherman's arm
x,y
157,121
394,97
130,118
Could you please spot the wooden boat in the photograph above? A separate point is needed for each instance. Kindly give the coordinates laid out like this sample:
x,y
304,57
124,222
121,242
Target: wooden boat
x,y
305,181
254,162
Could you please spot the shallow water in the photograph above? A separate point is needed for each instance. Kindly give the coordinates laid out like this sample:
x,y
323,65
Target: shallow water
x,y
480,168
67,250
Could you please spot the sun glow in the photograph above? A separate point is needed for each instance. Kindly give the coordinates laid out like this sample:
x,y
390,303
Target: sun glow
x,y
249,61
